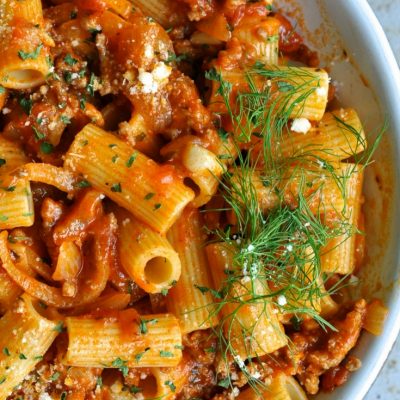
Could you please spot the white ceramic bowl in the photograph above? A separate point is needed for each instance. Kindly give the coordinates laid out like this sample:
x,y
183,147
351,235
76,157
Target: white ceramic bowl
x,y
370,82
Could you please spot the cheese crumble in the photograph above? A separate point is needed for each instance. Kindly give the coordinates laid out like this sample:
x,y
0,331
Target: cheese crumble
x,y
300,125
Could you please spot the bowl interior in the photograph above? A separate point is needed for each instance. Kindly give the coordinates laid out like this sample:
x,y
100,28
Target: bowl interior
x,y
352,46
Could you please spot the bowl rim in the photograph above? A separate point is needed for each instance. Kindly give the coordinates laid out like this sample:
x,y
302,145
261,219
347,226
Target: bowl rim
x,y
366,23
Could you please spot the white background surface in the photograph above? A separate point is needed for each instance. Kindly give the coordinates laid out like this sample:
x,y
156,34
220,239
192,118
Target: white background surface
x,y
387,385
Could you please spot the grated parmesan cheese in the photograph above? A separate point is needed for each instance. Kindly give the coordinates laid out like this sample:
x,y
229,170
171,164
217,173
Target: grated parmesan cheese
x,y
45,396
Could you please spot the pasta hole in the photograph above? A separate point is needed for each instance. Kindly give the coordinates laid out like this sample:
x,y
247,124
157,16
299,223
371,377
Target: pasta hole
x,y
29,76
158,270
190,183
149,387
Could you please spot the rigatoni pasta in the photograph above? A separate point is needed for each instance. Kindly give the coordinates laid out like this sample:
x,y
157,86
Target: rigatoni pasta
x,y
147,256
16,203
122,177
251,329
12,156
180,204
124,339
25,337
188,299
308,101
340,252
339,135
23,62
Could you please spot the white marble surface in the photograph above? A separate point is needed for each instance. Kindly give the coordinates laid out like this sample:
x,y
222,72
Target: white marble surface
x,y
387,385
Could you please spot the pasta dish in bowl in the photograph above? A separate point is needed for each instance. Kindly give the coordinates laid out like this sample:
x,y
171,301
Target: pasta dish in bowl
x,y
181,204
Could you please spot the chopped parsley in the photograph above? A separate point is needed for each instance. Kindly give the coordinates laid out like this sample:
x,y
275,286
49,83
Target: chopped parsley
x,y
59,327
2,90
63,396
172,57
6,352
39,135
22,356
157,206
46,148
223,134
90,86
116,187
65,119
149,196
2,380
83,184
26,105
210,349
55,376
224,382
164,292
164,353
171,385
121,365
3,217
70,60
131,160
2,161
134,389
82,102
142,326
67,75
114,158
32,55
99,382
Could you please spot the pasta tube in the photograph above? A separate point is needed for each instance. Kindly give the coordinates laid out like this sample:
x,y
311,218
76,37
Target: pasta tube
x,y
282,387
124,340
193,307
152,193
11,156
251,328
260,39
297,92
339,135
375,318
27,336
163,11
164,383
16,203
322,192
23,62
147,256
339,254
9,291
